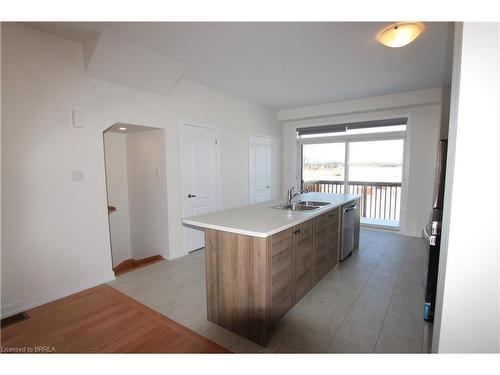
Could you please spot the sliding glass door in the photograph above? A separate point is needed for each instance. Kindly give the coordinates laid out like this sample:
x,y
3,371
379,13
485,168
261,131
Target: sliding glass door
x,y
376,172
370,166
323,167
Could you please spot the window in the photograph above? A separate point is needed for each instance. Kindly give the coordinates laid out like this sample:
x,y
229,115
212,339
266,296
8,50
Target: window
x,y
323,161
381,129
359,158
376,161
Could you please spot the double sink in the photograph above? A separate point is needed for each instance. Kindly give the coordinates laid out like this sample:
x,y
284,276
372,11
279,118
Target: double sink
x,y
302,206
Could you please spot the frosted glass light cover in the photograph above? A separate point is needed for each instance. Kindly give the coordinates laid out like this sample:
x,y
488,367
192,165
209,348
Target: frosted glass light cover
x,y
400,35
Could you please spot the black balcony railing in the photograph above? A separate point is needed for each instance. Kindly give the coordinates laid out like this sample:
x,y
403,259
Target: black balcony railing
x,y
379,200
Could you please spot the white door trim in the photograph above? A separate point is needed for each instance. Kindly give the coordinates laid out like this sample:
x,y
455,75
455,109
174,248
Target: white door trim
x,y
405,183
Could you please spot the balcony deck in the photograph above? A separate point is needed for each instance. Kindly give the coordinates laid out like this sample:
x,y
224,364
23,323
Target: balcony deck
x,y
388,224
380,202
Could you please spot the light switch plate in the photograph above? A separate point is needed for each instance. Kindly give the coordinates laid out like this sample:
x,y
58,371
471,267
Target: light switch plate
x,y
78,119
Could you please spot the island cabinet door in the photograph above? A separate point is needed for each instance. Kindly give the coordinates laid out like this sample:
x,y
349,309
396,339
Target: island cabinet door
x,y
303,258
320,253
280,294
333,237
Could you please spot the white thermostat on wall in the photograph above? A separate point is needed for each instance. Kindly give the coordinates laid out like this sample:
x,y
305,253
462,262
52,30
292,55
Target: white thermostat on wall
x,y
77,116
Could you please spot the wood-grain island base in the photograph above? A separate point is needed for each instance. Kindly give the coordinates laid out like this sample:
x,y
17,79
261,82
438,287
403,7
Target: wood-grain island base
x,y
252,282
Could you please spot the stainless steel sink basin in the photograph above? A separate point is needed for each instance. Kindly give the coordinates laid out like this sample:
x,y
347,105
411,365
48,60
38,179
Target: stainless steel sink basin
x,y
295,207
313,203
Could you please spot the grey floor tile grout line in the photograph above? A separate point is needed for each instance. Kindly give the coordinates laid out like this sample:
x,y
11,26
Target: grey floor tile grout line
x,y
289,335
340,325
422,330
293,331
343,320
390,301
354,302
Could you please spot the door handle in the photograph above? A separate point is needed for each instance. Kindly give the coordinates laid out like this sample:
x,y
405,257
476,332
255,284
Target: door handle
x,y
426,231
430,237
191,195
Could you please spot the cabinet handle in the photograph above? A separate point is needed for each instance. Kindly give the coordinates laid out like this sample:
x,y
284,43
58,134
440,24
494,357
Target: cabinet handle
x,y
296,231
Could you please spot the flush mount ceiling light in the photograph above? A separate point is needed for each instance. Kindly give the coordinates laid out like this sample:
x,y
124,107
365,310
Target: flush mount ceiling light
x,y
400,34
122,129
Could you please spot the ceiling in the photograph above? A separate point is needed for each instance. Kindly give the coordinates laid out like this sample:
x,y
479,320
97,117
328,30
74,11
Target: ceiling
x,y
284,65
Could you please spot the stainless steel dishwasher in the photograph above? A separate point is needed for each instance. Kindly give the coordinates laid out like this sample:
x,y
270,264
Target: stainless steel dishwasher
x,y
348,229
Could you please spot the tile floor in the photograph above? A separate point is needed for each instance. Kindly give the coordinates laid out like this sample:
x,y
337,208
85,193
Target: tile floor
x,y
372,303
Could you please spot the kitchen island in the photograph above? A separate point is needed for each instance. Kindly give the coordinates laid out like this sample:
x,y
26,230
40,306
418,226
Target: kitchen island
x,y
261,260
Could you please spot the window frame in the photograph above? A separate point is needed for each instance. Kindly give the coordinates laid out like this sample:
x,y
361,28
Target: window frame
x,y
347,139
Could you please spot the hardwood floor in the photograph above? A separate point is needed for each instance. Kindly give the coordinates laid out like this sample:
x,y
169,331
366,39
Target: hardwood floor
x,y
102,320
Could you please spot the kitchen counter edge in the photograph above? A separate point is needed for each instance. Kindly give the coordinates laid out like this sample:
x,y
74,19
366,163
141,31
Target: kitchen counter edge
x,y
311,215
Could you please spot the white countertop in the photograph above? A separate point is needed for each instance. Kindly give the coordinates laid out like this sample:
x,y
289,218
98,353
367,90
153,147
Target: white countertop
x,y
261,220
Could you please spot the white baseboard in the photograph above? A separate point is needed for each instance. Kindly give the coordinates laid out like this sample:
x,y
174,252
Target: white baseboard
x,y
54,294
413,234
379,228
176,255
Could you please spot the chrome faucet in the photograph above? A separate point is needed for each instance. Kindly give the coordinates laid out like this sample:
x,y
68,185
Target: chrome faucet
x,y
291,194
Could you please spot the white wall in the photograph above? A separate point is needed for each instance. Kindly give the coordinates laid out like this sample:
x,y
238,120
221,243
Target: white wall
x,y
423,109
467,299
55,240
115,150
147,193
423,142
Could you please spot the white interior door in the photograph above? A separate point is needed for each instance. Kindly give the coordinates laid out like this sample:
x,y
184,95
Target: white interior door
x,y
198,165
260,169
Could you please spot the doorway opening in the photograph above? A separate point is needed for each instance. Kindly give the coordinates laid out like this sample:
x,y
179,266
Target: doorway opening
x,y
362,160
136,194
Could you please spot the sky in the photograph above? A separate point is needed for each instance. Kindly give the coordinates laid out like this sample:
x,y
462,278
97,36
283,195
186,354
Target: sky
x,y
387,151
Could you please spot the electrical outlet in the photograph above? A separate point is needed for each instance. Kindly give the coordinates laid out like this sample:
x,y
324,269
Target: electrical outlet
x,y
76,175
